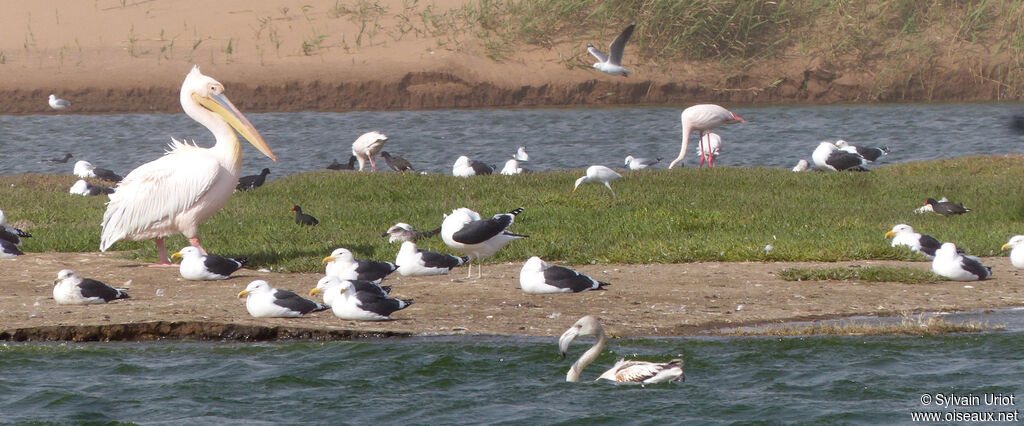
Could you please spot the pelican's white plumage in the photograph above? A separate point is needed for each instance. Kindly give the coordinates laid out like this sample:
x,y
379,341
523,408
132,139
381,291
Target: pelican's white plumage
x,y
187,185
367,146
703,118
264,301
623,371
465,231
957,267
598,174
1016,244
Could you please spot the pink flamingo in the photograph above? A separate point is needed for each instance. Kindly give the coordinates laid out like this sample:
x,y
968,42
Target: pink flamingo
x,y
703,118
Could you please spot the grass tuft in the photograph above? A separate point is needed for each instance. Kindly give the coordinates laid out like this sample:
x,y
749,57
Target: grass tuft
x,y
908,326
869,274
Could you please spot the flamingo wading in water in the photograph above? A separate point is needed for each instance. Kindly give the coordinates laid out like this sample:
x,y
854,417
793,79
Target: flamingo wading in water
x,y
703,118
178,191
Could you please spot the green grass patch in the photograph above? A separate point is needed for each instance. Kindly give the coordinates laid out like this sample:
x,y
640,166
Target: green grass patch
x,y
870,274
662,216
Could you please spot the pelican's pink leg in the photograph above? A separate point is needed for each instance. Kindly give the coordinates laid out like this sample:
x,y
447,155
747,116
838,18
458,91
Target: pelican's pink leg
x,y
195,243
161,250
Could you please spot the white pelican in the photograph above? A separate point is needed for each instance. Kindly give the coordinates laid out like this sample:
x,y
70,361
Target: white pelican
x,y
264,301
599,174
465,231
709,148
904,235
958,267
70,289
367,146
870,153
703,118
827,157
623,371
1016,243
58,103
612,64
196,266
186,186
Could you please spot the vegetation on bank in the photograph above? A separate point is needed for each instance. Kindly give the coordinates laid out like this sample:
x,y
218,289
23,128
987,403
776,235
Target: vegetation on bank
x,y
869,274
662,216
907,326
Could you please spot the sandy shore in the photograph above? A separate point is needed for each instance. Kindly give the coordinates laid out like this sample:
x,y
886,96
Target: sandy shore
x,y
644,300
131,56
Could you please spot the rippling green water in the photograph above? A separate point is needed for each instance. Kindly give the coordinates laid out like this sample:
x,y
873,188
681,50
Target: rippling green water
x,y
485,380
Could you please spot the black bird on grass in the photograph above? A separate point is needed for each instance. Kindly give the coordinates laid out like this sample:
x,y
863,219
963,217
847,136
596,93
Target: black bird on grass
x,y
398,164
246,183
946,208
302,218
338,166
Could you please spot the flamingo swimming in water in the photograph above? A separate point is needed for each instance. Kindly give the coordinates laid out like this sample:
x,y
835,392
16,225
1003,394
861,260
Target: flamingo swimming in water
x,y
703,118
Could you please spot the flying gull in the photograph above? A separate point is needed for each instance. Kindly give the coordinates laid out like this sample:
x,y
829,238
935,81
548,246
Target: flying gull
x,y
264,301
612,64
70,289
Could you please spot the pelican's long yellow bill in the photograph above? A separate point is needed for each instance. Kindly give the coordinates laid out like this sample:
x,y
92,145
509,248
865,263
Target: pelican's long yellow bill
x,y
219,104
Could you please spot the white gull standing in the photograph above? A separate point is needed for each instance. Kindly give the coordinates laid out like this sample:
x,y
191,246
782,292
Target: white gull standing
x,y
463,230
521,154
612,64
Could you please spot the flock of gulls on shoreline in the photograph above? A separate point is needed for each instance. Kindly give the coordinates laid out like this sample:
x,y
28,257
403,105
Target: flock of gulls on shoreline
x,y
187,185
